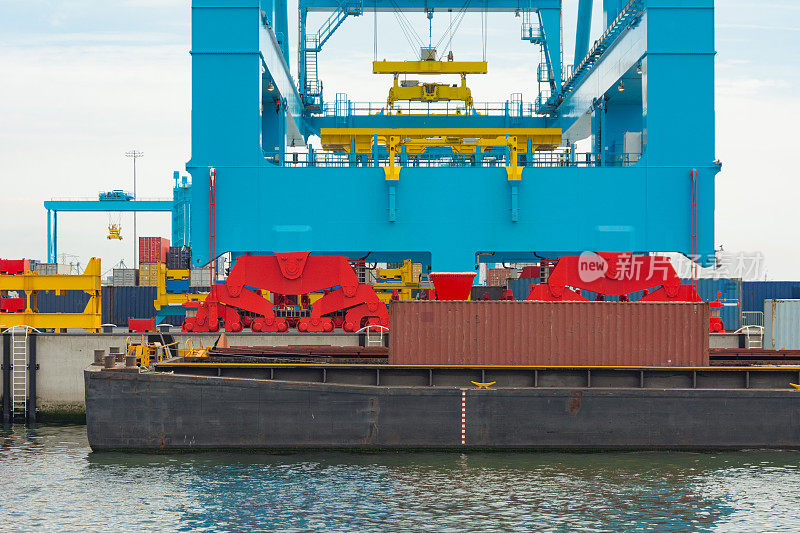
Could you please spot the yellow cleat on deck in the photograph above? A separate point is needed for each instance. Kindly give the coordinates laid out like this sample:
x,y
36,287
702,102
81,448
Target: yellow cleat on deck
x,y
483,385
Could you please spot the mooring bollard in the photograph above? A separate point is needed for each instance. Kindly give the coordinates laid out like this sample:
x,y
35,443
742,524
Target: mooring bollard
x,y
109,361
130,361
99,356
117,353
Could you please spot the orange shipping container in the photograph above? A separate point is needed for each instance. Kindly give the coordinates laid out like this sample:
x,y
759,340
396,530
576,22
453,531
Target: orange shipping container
x,y
548,333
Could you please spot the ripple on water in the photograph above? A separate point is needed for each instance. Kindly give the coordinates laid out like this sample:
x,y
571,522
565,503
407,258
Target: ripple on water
x,y
52,481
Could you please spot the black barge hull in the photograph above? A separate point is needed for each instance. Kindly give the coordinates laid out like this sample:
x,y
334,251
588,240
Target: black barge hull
x,y
372,407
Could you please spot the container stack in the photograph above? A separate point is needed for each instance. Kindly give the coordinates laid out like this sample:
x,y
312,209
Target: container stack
x,y
179,258
153,252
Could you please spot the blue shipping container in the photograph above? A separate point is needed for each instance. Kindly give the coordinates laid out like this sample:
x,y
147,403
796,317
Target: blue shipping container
x,y
130,302
72,302
728,290
781,324
66,302
177,286
755,292
521,287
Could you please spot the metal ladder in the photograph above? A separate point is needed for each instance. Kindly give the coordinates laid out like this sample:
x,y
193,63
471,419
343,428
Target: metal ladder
x,y
374,339
19,373
312,76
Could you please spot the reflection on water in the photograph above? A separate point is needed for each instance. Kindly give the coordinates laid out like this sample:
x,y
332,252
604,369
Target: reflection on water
x,y
51,480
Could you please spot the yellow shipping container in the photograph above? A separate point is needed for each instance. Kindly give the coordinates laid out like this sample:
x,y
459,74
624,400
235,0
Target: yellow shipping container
x,y
148,274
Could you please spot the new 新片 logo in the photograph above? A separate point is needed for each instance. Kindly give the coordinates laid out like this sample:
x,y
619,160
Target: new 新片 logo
x,y
591,267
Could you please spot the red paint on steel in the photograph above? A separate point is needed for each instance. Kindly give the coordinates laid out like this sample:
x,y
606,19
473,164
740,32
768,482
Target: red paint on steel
x,y
141,325
693,224
12,305
452,285
549,333
12,266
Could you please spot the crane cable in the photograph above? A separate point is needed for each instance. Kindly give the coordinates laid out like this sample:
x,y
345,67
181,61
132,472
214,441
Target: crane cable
x,y
451,29
485,27
407,28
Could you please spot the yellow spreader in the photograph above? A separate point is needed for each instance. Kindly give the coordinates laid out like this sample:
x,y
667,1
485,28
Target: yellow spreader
x,y
413,90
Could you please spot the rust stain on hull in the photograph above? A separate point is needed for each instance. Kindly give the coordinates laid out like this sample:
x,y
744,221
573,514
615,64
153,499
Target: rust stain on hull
x,y
574,402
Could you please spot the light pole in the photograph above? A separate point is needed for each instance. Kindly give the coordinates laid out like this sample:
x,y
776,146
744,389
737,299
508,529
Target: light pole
x,y
134,154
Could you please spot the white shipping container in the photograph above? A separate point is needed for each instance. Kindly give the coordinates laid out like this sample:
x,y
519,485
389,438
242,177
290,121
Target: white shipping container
x,y
782,324
125,277
52,269
200,277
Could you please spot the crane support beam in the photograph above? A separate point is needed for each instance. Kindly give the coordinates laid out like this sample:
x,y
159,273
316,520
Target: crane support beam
x,y
429,67
129,206
461,139
582,31
435,5
551,25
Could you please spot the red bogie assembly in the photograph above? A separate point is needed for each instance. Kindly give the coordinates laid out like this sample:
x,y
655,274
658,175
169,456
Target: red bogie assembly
x,y
290,274
614,274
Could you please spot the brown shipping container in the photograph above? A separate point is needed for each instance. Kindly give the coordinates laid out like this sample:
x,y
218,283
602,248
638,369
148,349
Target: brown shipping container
x,y
497,277
548,333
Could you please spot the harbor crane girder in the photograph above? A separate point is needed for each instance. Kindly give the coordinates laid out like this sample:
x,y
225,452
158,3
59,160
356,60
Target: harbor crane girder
x,y
634,142
548,13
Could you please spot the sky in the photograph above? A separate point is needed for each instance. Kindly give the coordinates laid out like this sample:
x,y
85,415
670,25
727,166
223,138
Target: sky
x,y
84,81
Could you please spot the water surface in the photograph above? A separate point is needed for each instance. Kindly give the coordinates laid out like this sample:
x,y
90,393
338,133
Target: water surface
x,y
50,480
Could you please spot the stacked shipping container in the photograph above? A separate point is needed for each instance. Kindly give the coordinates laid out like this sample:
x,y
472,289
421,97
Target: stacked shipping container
x,y
153,249
52,269
498,277
125,277
179,258
148,274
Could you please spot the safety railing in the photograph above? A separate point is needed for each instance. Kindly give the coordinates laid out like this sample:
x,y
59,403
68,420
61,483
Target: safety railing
x,y
494,157
525,109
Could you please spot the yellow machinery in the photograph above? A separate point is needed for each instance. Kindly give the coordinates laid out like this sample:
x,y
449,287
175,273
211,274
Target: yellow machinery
x,y
403,279
114,232
163,298
413,90
463,141
30,283
147,352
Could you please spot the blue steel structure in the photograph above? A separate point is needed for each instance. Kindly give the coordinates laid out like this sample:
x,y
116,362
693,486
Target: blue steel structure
x,y
642,94
121,201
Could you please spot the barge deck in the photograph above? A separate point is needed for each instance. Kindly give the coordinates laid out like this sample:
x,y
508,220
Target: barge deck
x,y
222,403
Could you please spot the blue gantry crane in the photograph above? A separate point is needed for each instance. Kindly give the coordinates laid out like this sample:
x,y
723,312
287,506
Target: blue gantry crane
x,y
616,153
118,201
